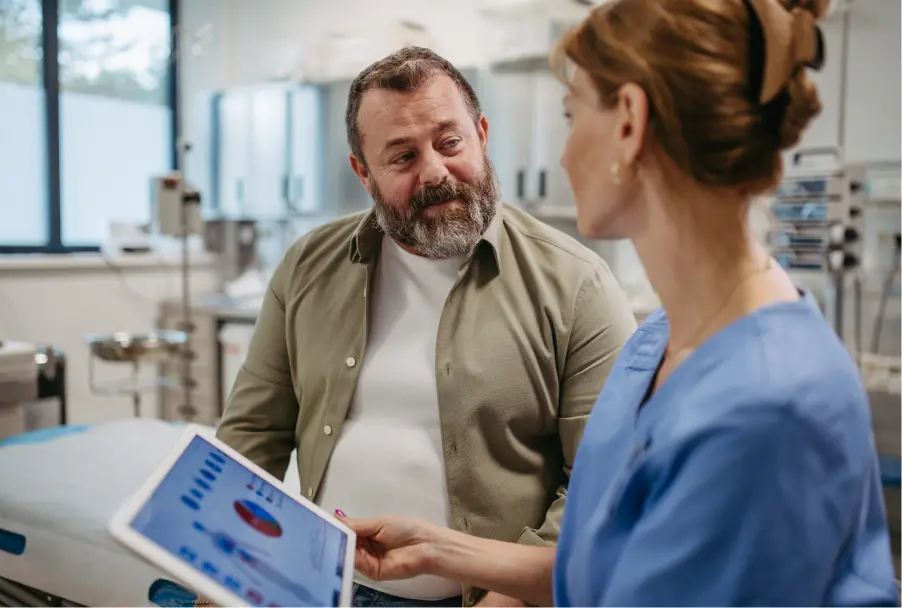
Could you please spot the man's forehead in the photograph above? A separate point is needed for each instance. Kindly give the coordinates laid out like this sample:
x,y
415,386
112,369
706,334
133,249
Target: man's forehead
x,y
387,109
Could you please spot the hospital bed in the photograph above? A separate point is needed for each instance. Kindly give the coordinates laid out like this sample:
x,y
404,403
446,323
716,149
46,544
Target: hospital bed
x,y
59,488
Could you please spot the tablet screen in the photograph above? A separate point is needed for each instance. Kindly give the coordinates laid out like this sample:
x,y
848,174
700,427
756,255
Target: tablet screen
x,y
221,519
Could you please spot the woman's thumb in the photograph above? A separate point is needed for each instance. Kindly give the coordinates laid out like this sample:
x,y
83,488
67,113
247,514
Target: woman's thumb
x,y
363,527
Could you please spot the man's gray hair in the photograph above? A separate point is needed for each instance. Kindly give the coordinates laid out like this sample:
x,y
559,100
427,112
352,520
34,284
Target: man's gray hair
x,y
404,70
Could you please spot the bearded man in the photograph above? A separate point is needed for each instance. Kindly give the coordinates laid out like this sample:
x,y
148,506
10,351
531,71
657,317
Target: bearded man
x,y
436,356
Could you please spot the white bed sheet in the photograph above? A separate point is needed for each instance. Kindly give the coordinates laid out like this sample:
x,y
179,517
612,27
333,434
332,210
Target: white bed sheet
x,y
60,494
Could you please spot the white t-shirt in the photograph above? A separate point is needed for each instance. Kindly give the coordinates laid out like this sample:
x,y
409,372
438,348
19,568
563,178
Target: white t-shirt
x,y
388,459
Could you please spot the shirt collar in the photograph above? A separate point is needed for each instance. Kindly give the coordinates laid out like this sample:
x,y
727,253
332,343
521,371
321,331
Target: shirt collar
x,y
367,239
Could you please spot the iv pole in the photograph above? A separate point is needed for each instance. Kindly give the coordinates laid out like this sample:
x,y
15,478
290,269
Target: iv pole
x,y
189,196
160,345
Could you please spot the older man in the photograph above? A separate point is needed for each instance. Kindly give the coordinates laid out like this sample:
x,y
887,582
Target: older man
x,y
437,356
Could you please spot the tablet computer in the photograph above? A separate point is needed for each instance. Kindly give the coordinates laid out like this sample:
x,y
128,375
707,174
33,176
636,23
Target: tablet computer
x,y
230,532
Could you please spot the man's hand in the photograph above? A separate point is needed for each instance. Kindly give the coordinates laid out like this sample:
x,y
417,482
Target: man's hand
x,y
496,600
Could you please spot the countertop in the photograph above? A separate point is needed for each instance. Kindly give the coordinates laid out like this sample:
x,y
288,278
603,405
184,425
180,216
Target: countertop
x,y
246,309
222,306
227,307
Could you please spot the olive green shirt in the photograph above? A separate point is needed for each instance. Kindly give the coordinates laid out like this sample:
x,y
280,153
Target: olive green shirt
x,y
526,340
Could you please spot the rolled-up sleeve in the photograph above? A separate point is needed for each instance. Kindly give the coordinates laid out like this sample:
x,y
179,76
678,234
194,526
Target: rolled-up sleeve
x,y
262,411
602,323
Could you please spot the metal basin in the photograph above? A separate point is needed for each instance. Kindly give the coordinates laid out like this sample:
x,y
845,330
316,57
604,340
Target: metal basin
x,y
132,347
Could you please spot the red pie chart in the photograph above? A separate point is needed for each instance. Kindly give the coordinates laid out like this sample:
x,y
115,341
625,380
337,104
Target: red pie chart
x,y
258,518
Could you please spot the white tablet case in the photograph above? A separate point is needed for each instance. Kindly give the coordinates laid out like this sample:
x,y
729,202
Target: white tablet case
x,y
120,525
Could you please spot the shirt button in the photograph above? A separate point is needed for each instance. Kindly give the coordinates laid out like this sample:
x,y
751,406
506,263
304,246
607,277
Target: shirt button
x,y
309,492
327,430
350,361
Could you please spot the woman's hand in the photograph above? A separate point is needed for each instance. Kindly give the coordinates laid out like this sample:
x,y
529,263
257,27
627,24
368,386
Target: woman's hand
x,y
391,548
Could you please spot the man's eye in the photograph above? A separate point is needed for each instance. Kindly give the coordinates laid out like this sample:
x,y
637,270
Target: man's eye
x,y
569,117
403,158
452,143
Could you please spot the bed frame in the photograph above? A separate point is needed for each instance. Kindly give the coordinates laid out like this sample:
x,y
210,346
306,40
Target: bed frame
x,y
161,593
14,594
51,384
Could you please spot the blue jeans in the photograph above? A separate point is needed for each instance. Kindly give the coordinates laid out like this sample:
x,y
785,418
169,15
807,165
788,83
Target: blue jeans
x,y
364,597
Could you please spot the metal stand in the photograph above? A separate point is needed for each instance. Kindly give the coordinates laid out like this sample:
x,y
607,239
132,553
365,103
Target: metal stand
x,y
153,347
887,292
190,197
178,216
52,378
834,301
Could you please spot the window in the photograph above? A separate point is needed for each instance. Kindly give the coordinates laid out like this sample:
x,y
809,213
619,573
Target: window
x,y
92,119
23,150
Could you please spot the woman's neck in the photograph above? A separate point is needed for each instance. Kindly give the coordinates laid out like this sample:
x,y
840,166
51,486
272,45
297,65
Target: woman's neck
x,y
705,268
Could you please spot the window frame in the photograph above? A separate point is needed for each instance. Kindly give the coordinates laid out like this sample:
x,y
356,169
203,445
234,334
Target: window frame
x,y
50,11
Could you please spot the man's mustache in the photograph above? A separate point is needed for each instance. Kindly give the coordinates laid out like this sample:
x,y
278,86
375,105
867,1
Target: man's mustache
x,y
442,193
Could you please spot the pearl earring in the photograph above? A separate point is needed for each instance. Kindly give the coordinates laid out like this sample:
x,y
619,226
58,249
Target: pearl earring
x,y
615,173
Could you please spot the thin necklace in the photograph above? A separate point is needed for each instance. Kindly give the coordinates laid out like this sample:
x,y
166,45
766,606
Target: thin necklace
x,y
705,326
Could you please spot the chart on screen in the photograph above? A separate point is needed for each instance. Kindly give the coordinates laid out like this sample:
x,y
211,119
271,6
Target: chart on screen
x,y
242,531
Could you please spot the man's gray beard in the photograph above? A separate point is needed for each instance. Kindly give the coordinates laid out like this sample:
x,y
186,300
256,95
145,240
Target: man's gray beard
x,y
446,239
451,233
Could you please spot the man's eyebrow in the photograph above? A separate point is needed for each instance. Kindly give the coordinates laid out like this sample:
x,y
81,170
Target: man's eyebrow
x,y
442,126
400,141
397,141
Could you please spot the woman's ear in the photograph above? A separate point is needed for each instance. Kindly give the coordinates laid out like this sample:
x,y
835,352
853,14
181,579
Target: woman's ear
x,y
632,122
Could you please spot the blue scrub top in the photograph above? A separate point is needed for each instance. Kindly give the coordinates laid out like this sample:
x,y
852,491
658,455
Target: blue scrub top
x,y
749,478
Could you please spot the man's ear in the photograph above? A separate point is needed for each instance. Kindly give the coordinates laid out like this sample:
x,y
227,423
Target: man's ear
x,y
482,129
361,170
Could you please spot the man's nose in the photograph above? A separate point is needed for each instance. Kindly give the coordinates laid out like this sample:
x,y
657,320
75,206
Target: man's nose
x,y
433,171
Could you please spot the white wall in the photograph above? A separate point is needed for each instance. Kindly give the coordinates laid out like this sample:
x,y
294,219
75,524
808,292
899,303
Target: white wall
x,y
58,300
256,41
873,117
862,115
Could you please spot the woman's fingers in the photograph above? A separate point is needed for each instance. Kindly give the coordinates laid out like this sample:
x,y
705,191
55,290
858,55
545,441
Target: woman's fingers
x,y
368,564
364,527
361,527
383,546
366,560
